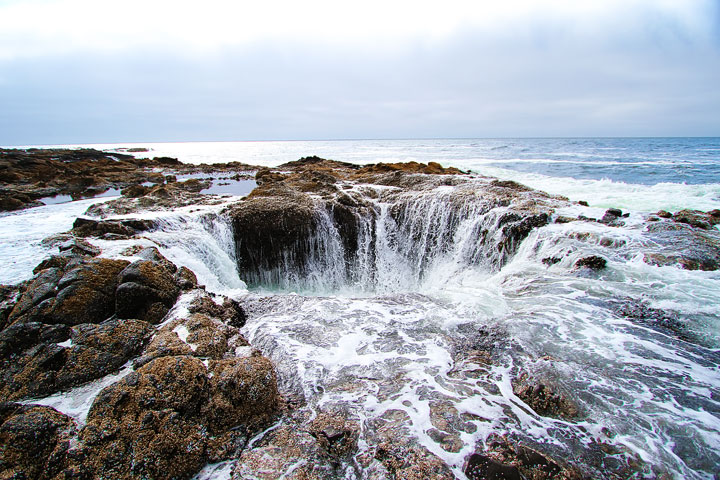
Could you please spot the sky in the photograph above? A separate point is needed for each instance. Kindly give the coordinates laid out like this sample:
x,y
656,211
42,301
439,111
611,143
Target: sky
x,y
88,71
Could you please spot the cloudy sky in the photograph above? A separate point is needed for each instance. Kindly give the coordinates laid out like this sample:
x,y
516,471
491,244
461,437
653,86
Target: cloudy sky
x,y
86,71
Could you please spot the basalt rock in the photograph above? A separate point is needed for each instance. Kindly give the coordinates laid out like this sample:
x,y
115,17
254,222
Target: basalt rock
x,y
317,213
593,262
111,229
198,335
37,361
230,312
34,441
506,460
544,399
81,290
164,420
681,244
146,291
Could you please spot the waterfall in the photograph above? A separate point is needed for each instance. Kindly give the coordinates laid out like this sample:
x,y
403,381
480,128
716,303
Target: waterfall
x,y
391,244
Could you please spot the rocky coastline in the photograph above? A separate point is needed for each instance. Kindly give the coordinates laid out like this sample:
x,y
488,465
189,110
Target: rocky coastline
x,y
188,390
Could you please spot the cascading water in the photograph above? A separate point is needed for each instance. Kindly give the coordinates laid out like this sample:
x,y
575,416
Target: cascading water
x,y
399,245
390,331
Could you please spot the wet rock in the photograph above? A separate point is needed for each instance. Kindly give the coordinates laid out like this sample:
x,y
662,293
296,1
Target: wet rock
x,y
112,229
154,423
611,216
36,364
640,312
243,391
230,312
287,221
83,291
198,335
34,441
404,462
680,244
696,218
9,295
336,435
152,254
593,262
78,247
506,460
135,191
549,261
544,399
482,467
664,214
19,337
146,291
186,279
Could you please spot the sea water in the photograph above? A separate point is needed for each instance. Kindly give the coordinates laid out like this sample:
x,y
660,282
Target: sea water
x,y
376,349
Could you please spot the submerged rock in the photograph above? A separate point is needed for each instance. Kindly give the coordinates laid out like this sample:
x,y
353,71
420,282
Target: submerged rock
x,y
593,262
544,399
506,460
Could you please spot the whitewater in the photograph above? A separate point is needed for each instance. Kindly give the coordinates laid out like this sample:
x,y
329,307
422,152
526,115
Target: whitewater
x,y
386,342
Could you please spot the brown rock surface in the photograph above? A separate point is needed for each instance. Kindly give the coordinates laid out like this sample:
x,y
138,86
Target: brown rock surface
x,y
34,441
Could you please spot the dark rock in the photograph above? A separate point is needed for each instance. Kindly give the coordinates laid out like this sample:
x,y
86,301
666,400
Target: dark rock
x,y
200,336
592,262
676,243
504,459
135,191
551,260
186,279
34,442
696,219
611,215
9,295
19,337
405,462
287,222
83,291
544,399
640,312
230,312
36,365
664,214
154,423
147,290
336,435
481,467
583,203
243,391
167,160
85,227
79,247
153,254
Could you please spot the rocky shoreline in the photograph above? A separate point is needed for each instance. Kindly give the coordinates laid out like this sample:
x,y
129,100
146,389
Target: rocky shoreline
x,y
190,390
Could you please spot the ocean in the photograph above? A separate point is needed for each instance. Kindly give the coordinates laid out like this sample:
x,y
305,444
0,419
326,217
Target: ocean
x,y
389,344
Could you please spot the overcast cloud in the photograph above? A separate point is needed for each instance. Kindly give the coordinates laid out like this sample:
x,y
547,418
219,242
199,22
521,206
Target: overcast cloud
x,y
79,71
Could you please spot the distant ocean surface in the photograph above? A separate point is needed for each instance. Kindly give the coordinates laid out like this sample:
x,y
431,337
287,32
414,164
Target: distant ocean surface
x,y
641,174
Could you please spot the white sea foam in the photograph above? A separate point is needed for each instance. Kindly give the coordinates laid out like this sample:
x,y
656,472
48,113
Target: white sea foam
x,y
76,402
398,338
22,232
